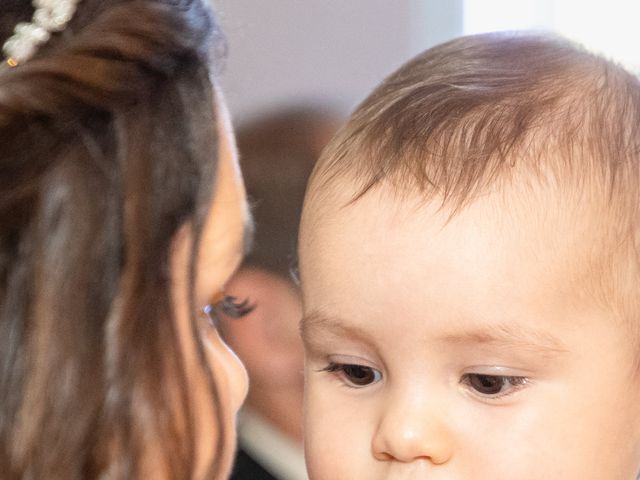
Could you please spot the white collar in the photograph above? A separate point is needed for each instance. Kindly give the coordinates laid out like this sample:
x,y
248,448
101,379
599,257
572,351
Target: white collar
x,y
277,453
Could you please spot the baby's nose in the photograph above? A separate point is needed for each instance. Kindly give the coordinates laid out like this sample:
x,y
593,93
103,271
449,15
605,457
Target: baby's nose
x,y
413,429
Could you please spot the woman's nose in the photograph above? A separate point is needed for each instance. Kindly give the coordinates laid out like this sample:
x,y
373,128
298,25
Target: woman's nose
x,y
413,429
229,370
238,378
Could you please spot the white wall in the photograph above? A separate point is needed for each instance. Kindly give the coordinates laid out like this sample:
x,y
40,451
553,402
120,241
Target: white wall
x,y
324,51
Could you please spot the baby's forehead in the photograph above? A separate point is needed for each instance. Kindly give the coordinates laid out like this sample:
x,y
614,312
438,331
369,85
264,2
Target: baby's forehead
x,y
507,255
537,223
490,273
522,202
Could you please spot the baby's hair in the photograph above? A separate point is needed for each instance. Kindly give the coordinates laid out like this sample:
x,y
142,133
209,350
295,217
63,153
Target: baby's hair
x,y
461,115
472,115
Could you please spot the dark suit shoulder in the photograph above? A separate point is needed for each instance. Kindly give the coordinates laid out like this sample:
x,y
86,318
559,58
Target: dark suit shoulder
x,y
246,468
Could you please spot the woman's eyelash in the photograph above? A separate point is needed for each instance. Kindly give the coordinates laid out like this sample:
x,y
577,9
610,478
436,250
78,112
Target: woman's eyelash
x,y
230,307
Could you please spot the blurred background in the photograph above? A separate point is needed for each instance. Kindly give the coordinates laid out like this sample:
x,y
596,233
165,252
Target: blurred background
x,y
333,52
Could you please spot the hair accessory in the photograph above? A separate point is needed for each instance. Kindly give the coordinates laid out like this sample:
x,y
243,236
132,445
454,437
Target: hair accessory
x,y
50,16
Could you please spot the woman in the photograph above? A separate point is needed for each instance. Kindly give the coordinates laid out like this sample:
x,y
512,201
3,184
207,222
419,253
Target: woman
x,y
121,216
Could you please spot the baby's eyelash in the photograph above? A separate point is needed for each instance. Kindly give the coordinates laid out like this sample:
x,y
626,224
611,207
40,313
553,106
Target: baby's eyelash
x,y
354,375
331,367
228,306
491,387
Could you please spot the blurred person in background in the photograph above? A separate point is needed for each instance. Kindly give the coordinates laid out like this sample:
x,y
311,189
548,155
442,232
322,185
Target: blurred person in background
x,y
122,214
278,152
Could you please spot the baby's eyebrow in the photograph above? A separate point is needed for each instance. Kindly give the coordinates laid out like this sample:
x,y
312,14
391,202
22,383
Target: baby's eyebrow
x,y
507,335
317,323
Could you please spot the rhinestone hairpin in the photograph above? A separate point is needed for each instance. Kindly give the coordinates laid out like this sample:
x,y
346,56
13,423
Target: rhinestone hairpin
x,y
50,16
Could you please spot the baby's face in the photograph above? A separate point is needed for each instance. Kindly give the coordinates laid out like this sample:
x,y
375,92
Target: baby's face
x,y
474,349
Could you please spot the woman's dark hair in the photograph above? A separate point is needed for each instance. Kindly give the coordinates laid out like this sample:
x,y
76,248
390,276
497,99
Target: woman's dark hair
x,y
107,147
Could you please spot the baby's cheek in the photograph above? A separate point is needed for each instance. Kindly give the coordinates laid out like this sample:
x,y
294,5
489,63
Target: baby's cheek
x,y
321,448
334,441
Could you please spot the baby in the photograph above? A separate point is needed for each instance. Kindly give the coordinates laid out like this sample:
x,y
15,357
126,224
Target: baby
x,y
470,268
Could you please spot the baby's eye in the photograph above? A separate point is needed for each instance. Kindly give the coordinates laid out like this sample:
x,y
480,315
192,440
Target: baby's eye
x,y
493,386
354,375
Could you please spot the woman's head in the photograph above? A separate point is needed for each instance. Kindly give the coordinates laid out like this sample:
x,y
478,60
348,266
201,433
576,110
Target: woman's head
x,y
114,149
